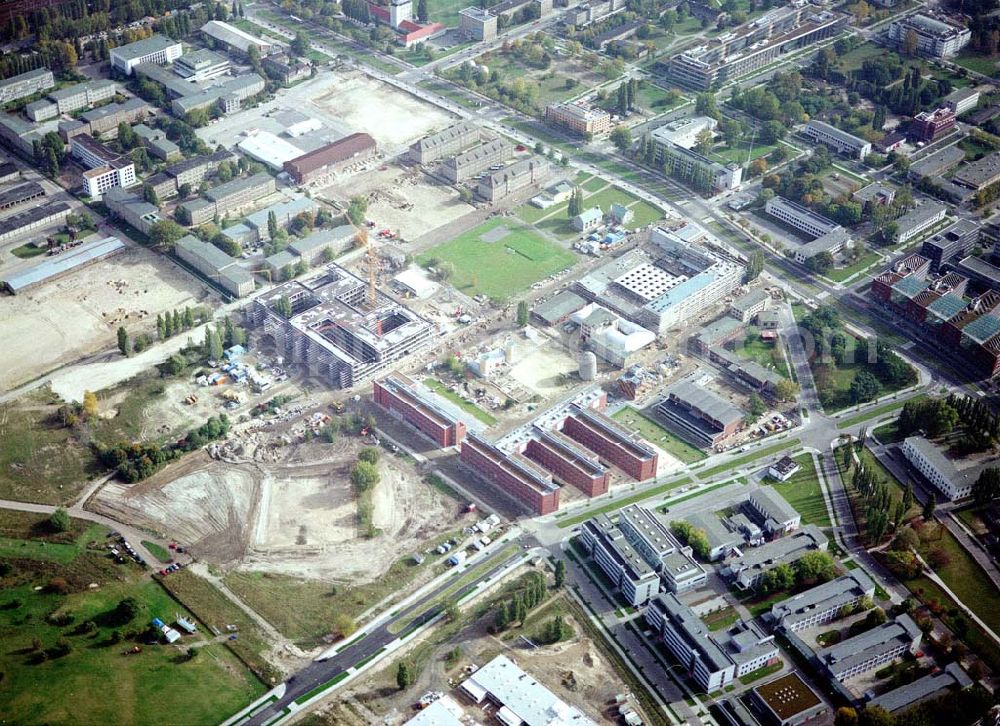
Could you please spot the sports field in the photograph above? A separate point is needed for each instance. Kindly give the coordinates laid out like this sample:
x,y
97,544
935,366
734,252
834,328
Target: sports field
x,y
499,258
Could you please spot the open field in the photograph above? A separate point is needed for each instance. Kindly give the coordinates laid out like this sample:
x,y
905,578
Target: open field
x,y
64,320
40,460
499,258
742,152
977,63
839,274
654,433
90,681
546,370
576,669
402,200
769,355
876,412
804,494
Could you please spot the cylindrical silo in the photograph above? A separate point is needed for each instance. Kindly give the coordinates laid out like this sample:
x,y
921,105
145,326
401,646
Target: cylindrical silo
x,y
588,366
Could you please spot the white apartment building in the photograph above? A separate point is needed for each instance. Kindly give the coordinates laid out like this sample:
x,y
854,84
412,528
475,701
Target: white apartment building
x,y
822,604
840,141
157,49
928,459
105,168
614,554
872,649
684,131
935,37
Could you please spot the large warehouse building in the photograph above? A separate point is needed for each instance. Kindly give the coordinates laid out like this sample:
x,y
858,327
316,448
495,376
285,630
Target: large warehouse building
x,y
332,158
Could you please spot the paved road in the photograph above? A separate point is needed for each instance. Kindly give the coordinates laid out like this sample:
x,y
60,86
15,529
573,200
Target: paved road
x,y
376,640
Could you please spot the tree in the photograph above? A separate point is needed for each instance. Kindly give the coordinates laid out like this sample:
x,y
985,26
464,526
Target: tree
x,y
522,313
875,716
364,476
300,44
272,224
845,716
560,573
815,566
165,232
213,344
929,506
621,137
575,205
864,387
123,345
757,406
184,190
369,454
59,520
703,141
786,390
820,263
987,486
283,307
404,678
771,132
357,209
422,11
90,404
127,610
149,194
910,42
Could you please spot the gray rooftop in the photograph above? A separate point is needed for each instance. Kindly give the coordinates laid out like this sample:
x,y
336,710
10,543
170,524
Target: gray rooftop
x,y
930,686
211,254
709,403
143,47
749,300
864,646
692,630
773,505
74,90
323,238
785,549
827,596
837,133
559,306
53,266
236,186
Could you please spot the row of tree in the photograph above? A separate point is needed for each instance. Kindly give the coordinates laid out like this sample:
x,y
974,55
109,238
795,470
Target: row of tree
x,y
529,593
135,461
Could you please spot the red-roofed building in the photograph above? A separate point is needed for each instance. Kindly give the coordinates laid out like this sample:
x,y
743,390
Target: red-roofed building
x,y
611,442
398,395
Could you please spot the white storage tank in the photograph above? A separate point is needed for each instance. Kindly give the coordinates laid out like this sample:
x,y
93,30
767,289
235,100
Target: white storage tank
x,y
588,366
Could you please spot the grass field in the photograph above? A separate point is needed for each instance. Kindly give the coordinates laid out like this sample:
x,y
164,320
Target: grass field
x,y
721,619
876,412
804,494
93,682
467,406
742,152
766,354
40,460
27,251
749,458
839,274
515,259
977,63
158,552
624,502
653,432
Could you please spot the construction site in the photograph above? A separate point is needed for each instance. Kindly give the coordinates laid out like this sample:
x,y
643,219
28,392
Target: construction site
x,y
77,315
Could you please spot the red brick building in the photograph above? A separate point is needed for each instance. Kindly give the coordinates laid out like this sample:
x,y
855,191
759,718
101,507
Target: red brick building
x,y
331,158
517,477
398,395
569,462
611,442
929,125
912,266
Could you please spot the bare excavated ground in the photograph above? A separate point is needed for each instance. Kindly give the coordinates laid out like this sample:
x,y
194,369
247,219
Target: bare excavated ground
x,y
206,505
262,504
307,524
77,315
402,200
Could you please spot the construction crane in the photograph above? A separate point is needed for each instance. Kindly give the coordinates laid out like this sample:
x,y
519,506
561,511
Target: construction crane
x,y
373,266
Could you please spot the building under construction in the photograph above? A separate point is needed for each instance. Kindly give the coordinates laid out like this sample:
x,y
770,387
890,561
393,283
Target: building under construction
x,y
340,327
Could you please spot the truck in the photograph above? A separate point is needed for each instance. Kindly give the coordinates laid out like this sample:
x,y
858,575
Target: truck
x,y
457,559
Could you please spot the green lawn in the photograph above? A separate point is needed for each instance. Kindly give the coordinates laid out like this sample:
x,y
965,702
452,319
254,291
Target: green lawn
x,y
761,673
158,552
467,406
839,274
516,258
41,461
94,682
594,184
742,152
977,63
749,458
27,250
854,59
876,412
721,619
766,354
653,432
643,213
804,494
624,502
597,191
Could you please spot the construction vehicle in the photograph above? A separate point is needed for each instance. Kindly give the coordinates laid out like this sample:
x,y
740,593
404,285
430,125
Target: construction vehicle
x,y
338,407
